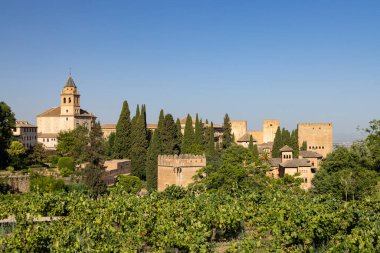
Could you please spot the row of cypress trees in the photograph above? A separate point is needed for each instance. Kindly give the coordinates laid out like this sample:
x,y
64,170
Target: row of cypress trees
x,y
284,137
135,141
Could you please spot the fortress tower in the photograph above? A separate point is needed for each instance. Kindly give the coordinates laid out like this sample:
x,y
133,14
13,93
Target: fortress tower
x,y
318,136
269,129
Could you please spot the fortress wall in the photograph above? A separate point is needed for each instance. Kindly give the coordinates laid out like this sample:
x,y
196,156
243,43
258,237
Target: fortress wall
x,y
319,137
258,136
238,128
270,129
178,170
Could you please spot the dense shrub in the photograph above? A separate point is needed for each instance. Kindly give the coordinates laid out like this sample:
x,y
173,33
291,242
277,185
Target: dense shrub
x,y
46,184
128,184
66,166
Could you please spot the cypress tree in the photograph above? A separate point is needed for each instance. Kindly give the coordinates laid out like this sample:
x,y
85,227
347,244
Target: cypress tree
x,y
304,146
277,143
294,143
209,140
139,146
179,133
169,140
198,131
160,124
93,172
151,162
227,137
188,136
255,152
286,139
122,144
250,145
137,115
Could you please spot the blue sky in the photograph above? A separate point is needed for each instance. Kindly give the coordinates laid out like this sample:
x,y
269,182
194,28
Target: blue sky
x,y
297,61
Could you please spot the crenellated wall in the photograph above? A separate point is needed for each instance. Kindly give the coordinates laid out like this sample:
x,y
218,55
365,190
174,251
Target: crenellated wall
x,y
319,137
178,169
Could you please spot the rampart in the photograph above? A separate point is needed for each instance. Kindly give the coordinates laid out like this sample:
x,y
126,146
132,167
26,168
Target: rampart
x,y
178,170
319,137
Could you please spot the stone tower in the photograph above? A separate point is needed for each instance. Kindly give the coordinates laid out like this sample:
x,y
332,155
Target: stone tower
x,y
70,99
286,153
270,129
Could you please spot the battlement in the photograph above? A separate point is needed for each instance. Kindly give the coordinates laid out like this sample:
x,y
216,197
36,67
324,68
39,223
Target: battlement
x,y
183,160
315,124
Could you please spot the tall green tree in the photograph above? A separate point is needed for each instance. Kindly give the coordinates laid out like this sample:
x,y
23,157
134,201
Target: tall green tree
x,y
210,140
373,143
179,133
277,143
293,143
38,154
122,143
160,125
151,162
198,131
169,138
139,146
227,138
17,154
110,145
253,148
94,170
73,143
7,124
188,136
304,146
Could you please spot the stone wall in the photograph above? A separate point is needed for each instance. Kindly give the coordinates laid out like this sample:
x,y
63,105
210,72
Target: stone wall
x,y
178,170
269,129
19,183
319,137
238,128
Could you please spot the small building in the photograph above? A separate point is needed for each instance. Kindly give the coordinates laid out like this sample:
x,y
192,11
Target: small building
x,y
26,133
244,140
178,170
289,165
314,158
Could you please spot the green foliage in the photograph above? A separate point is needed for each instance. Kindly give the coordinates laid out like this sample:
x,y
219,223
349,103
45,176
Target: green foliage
x,y
10,169
7,124
304,146
122,143
110,144
284,137
237,155
53,160
210,140
151,162
73,143
343,174
170,143
66,166
128,184
198,132
188,136
17,155
139,146
373,143
42,184
93,172
227,138
38,154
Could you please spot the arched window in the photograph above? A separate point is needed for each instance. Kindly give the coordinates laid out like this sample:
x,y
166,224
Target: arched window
x,y
69,100
64,100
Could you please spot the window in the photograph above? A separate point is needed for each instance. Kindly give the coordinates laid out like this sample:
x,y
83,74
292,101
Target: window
x,y
67,119
67,110
69,100
305,180
64,100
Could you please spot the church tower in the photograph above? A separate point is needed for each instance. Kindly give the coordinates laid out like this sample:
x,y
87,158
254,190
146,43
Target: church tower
x,y
70,99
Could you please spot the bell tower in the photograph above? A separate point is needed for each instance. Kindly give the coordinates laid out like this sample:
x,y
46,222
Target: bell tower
x,y
70,99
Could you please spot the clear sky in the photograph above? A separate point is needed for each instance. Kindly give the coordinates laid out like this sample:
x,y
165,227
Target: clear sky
x,y
297,61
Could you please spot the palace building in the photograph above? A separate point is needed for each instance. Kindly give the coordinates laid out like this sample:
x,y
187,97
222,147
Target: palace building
x,y
65,117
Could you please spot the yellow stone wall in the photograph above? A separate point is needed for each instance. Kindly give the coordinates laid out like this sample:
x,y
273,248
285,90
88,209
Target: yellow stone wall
x,y
319,137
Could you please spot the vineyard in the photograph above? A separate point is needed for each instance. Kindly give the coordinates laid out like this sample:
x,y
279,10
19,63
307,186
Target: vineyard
x,y
271,217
